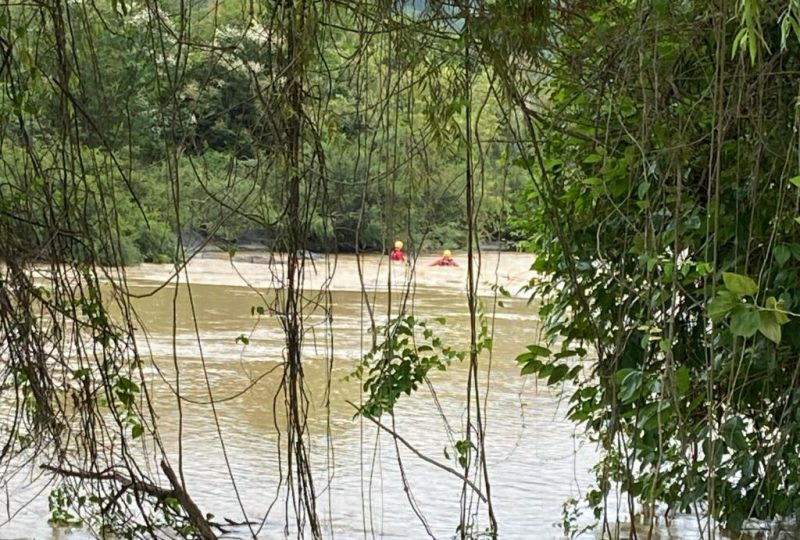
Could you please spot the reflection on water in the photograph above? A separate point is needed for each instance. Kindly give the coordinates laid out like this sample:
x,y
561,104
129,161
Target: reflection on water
x,y
535,460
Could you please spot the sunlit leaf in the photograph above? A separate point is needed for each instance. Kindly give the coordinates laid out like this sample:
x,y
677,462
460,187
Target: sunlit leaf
x,y
769,326
739,284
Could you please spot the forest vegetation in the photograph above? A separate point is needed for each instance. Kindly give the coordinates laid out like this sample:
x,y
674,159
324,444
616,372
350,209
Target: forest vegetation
x,y
135,91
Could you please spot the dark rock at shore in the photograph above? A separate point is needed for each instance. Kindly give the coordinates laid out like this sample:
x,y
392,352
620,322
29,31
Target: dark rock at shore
x,y
195,242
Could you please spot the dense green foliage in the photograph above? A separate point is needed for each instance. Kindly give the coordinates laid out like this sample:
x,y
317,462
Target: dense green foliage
x,y
388,128
664,219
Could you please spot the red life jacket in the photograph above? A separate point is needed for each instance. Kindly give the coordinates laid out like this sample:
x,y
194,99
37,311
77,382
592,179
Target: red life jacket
x,y
398,255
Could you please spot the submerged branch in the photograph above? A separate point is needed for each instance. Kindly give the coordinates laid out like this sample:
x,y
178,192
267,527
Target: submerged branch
x,y
193,512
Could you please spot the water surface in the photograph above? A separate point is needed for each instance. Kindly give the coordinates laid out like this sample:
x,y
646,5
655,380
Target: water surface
x,y
536,460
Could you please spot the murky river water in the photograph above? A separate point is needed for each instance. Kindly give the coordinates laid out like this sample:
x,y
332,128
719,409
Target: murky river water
x,y
535,458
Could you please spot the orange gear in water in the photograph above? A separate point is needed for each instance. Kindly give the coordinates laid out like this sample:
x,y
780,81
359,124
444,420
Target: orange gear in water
x,y
446,260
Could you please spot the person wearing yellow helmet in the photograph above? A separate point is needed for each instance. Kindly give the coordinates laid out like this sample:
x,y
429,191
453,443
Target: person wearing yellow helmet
x,y
445,260
397,253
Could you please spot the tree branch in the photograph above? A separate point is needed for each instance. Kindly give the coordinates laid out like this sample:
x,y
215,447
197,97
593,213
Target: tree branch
x,y
422,456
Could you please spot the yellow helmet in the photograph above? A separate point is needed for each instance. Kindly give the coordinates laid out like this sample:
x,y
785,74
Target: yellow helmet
x,y
398,245
446,254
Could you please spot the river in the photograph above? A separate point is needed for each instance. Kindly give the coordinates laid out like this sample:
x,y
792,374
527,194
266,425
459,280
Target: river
x,y
536,459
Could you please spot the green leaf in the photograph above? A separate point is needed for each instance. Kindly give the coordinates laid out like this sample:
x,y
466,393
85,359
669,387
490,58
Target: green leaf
x,y
732,432
644,187
647,414
538,350
704,268
531,367
739,284
682,380
745,321
630,386
795,181
778,308
558,374
769,326
137,431
620,375
780,316
721,305
782,253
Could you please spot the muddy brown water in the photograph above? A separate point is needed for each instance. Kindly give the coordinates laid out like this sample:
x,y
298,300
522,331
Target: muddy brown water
x,y
536,459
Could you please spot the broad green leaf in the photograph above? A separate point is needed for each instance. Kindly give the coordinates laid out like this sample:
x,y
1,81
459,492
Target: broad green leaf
x,y
782,254
137,431
558,374
795,181
739,284
660,415
721,305
630,386
769,326
745,321
531,367
620,375
648,413
538,350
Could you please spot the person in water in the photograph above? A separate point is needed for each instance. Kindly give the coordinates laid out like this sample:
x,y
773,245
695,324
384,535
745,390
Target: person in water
x,y
446,260
397,253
